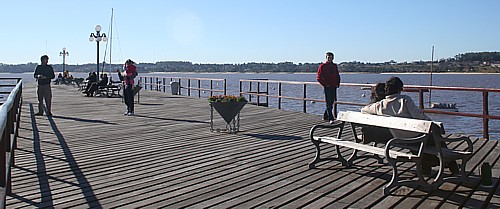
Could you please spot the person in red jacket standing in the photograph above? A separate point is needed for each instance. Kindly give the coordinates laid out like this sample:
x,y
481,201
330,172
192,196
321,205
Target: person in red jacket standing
x,y
130,72
328,76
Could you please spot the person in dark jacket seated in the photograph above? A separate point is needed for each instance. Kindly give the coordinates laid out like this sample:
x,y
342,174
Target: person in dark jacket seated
x,y
90,80
95,86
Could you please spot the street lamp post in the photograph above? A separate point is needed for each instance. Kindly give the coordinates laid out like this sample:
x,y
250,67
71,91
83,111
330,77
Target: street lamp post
x,y
64,53
98,36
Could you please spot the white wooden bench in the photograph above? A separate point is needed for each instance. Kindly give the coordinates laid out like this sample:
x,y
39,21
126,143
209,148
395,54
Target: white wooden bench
x,y
396,150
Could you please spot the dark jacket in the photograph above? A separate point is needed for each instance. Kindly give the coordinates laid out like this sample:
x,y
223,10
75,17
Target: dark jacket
x,y
45,70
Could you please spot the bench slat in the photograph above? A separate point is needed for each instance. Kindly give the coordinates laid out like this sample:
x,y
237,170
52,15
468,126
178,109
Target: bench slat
x,y
364,147
406,124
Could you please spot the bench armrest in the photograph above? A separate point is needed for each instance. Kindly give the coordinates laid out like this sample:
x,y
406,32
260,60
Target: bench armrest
x,y
404,142
313,129
439,139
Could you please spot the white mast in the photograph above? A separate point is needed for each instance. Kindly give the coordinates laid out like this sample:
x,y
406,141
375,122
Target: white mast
x,y
110,41
432,64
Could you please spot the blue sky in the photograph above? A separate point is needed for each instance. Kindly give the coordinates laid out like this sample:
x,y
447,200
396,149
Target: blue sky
x,y
230,31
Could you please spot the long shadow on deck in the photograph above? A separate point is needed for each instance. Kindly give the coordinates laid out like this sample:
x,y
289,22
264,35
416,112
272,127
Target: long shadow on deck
x,y
41,170
170,119
274,137
82,181
83,120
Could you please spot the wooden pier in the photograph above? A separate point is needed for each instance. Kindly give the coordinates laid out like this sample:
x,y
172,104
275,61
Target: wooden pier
x,y
89,155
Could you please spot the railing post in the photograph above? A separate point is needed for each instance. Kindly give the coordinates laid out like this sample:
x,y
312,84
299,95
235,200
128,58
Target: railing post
x,y
250,90
421,98
241,87
158,84
150,83
267,94
164,85
279,95
9,128
189,87
304,96
199,88
179,89
486,134
258,92
211,87
225,87
3,145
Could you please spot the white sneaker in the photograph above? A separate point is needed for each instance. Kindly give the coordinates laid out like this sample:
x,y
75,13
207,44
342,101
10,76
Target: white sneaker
x,y
126,113
332,122
130,114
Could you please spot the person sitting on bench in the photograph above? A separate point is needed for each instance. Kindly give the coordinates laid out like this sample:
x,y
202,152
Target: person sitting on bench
x,y
95,86
92,78
396,104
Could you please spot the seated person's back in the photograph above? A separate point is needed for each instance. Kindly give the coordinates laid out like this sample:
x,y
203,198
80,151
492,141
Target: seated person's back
x,y
395,104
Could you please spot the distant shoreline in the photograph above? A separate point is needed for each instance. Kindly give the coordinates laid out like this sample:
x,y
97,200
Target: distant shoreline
x,y
306,73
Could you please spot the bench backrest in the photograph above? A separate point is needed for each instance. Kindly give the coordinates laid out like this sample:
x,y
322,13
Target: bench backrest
x,y
406,124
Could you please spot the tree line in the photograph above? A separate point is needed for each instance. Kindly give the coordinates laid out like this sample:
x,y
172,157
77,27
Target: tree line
x,y
467,62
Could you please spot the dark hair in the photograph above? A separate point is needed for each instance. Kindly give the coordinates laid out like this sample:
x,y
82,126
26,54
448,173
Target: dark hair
x,y
329,53
393,86
44,57
129,61
378,92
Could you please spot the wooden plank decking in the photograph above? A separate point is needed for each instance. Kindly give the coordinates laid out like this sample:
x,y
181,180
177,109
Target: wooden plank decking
x,y
90,155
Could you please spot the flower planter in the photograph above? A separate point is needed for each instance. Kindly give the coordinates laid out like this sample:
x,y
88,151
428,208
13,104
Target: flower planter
x,y
230,112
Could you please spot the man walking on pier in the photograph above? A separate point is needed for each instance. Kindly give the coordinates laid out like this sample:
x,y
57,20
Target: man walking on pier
x,y
43,74
328,76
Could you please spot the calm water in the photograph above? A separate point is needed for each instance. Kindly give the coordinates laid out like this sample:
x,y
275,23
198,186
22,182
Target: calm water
x,y
470,102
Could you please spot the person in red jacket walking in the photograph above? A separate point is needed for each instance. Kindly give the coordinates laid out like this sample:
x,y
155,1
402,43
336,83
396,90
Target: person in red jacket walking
x,y
328,76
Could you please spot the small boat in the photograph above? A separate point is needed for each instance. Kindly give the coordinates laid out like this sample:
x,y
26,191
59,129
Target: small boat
x,y
439,106
445,106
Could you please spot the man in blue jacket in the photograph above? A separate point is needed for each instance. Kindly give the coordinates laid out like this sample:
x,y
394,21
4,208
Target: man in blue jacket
x,y
43,74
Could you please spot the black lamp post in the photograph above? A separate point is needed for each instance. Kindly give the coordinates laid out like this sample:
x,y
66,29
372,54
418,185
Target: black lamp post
x,y
98,36
64,53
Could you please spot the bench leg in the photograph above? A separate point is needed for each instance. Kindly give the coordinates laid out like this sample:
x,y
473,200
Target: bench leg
x,y
317,158
395,180
353,157
316,144
340,158
463,176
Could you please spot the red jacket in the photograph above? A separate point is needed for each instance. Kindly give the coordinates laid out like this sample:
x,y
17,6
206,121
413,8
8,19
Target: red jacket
x,y
328,75
130,74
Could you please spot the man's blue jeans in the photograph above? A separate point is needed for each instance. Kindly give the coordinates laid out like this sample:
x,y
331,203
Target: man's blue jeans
x,y
330,97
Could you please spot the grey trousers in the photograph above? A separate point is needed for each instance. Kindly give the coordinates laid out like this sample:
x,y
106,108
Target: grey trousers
x,y
44,92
